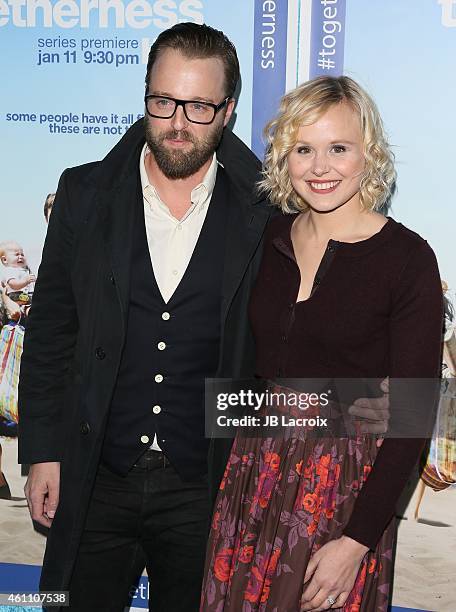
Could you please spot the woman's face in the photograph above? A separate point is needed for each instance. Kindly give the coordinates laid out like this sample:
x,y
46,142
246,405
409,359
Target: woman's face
x,y
327,162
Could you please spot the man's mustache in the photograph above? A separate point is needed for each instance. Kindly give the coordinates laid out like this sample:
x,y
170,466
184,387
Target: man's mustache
x,y
177,135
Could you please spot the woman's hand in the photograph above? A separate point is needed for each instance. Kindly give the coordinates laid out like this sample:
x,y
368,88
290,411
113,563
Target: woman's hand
x,y
331,574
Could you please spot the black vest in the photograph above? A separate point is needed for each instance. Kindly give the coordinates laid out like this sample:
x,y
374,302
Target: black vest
x,y
169,349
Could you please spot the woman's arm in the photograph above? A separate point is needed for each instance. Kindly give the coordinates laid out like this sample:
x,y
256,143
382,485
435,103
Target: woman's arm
x,y
415,336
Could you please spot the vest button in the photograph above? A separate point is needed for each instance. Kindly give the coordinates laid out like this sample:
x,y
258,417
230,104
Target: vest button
x,y
166,316
100,353
84,428
158,378
161,346
156,409
144,439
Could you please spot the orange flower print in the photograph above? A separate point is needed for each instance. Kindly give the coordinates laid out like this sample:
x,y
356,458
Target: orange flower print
x,y
246,554
263,501
362,578
322,469
265,487
272,565
245,458
216,521
252,592
222,564
324,462
311,528
329,512
225,475
367,471
266,590
299,467
308,470
372,564
310,502
273,459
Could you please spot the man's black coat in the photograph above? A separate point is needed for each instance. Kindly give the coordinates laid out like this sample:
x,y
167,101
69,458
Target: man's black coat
x,y
79,313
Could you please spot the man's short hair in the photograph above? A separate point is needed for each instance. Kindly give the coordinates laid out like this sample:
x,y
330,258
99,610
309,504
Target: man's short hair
x,y
198,42
48,204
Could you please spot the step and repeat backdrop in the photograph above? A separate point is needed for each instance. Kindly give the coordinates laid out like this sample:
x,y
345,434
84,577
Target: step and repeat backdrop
x,y
72,82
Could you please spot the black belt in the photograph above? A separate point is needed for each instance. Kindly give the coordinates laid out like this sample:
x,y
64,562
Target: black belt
x,y
151,460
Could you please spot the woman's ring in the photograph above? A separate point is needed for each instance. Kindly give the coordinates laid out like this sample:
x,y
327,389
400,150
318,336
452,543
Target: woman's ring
x,y
330,600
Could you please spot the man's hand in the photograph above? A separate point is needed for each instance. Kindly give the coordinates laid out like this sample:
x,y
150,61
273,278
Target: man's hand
x,y
373,413
42,491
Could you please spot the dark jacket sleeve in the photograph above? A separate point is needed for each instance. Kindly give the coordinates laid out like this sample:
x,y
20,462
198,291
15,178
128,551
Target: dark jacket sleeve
x,y
49,342
415,353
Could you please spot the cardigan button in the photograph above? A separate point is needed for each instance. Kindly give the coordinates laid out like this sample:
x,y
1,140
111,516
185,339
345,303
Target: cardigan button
x,y
100,353
84,428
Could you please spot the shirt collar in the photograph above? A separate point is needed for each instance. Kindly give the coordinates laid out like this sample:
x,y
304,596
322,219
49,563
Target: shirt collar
x,y
200,194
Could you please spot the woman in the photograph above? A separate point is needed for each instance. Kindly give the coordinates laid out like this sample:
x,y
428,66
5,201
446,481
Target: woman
x,y
305,523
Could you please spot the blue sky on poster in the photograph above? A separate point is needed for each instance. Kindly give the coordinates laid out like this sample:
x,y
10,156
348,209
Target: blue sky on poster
x,y
399,49
402,52
34,158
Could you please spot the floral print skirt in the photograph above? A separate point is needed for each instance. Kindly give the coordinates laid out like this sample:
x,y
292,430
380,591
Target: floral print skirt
x,y
280,500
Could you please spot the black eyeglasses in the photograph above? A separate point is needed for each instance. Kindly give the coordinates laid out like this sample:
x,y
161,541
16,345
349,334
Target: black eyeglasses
x,y
163,107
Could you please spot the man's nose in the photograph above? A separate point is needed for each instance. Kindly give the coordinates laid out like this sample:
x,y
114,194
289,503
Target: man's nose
x,y
179,121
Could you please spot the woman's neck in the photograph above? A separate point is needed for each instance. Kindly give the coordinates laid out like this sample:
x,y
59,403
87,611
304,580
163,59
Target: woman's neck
x,y
348,223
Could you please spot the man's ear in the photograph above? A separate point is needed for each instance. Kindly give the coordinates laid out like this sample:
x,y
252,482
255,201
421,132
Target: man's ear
x,y
229,110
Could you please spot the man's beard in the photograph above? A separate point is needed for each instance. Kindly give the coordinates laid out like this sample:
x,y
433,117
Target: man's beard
x,y
178,164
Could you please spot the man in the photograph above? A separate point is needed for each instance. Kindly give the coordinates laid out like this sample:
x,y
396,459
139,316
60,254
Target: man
x,y
142,293
112,380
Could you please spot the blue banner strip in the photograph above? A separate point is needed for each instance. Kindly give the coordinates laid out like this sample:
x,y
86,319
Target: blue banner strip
x,y
15,577
327,38
269,65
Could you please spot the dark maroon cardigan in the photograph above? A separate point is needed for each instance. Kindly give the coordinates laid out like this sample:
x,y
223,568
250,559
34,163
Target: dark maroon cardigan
x,y
376,310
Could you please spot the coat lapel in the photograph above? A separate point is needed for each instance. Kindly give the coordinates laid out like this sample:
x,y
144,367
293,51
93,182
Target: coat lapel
x,y
248,213
119,199
119,207
246,225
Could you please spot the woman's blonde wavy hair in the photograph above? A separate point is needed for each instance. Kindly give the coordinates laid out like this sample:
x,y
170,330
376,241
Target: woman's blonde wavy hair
x,y
305,105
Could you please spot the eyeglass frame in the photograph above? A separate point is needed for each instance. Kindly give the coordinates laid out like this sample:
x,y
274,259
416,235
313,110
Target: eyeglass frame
x,y
216,107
